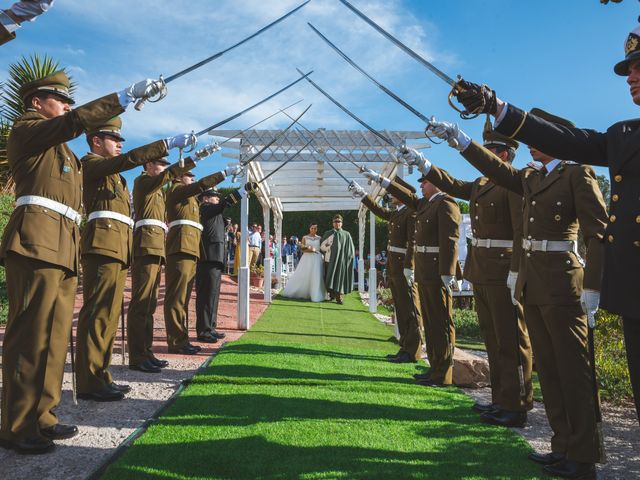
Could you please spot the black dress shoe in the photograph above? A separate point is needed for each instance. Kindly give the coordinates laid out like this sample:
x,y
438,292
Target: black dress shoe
x,y
29,446
59,431
120,387
159,363
571,469
431,383
422,376
484,407
147,367
219,334
207,338
186,349
393,355
339,301
404,357
505,418
106,394
546,458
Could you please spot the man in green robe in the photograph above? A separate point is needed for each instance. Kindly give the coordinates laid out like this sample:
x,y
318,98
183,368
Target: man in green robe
x,y
338,250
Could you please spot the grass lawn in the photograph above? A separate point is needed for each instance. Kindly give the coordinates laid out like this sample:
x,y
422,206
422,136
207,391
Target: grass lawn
x,y
306,394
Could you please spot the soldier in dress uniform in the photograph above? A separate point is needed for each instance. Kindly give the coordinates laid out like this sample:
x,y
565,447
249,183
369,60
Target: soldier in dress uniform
x,y
436,270
212,259
40,252
552,283
106,252
183,251
400,272
496,223
617,148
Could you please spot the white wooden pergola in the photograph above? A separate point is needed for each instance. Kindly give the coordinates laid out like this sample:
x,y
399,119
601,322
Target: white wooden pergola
x,y
307,183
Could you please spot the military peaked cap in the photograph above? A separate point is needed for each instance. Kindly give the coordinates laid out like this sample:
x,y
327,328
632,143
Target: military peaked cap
x,y
57,83
210,192
631,52
337,217
493,138
110,127
538,112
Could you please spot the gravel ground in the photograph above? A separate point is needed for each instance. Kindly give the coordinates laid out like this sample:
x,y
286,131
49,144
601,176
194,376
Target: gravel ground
x,y
619,426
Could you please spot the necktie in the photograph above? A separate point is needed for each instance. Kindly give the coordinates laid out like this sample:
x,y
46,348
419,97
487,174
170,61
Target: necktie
x,y
543,171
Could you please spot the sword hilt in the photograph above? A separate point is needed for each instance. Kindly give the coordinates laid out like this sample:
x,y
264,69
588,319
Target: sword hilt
x,y
156,97
455,90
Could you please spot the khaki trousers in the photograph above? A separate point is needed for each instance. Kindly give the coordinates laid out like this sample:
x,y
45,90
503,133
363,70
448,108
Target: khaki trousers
x,y
253,254
407,317
559,338
504,331
103,280
179,276
145,278
439,330
34,351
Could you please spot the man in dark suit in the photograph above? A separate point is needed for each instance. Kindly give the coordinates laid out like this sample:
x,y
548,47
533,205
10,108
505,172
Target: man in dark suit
x,y
617,148
212,258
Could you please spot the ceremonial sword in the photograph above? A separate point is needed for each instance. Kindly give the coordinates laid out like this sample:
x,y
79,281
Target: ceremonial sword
x,y
195,136
164,81
352,115
455,85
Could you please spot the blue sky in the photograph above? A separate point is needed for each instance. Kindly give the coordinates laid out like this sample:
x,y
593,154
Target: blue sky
x,y
558,56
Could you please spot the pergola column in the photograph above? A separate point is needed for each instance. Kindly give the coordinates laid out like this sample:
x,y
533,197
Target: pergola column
x,y
277,220
243,271
361,232
266,212
373,280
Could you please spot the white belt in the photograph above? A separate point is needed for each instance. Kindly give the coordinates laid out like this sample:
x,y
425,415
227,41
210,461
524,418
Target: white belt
x,y
57,207
425,249
549,245
397,250
175,223
490,243
151,221
113,215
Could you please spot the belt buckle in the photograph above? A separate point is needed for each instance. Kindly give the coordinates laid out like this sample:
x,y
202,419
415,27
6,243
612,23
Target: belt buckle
x,y
474,242
527,244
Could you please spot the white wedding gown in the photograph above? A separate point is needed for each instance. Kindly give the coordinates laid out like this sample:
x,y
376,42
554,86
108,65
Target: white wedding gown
x,y
307,281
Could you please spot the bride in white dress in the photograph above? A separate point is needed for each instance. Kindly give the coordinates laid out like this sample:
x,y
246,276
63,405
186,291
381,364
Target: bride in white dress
x,y
307,281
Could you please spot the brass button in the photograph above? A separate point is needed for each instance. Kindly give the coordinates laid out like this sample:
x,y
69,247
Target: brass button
x,y
615,197
533,203
557,217
638,219
528,254
476,204
492,204
531,219
568,262
612,218
617,178
476,217
610,238
559,204
637,243
529,237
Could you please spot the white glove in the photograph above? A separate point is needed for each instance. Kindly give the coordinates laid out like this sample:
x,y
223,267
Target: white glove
x,y
450,132
143,89
375,177
28,11
590,299
512,279
408,274
235,170
205,151
356,190
414,158
450,283
181,141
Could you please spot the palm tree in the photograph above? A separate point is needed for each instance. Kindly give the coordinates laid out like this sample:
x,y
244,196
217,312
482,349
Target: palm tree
x,y
12,106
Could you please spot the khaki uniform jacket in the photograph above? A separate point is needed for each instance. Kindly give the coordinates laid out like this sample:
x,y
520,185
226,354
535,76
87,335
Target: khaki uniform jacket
x,y
183,205
149,203
401,225
553,206
106,189
437,225
496,214
617,149
42,164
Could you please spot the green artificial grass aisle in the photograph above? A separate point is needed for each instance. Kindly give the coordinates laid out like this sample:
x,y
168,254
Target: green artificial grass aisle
x,y
307,394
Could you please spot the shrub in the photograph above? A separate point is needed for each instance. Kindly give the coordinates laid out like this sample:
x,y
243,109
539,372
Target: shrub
x,y
466,322
6,207
611,360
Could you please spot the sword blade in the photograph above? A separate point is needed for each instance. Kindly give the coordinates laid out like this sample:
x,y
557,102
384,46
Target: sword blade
x,y
232,117
378,84
219,54
282,110
336,170
401,45
285,162
348,112
276,138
